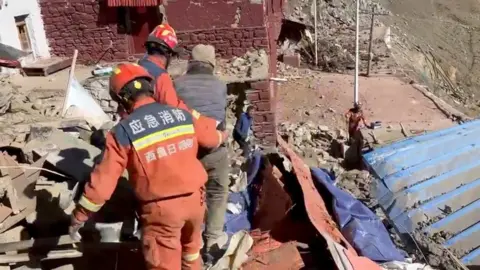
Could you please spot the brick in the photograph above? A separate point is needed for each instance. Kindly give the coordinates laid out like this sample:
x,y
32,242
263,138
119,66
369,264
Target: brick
x,y
293,60
268,128
247,44
258,117
236,43
253,96
238,51
259,134
201,37
184,37
248,34
269,117
257,128
238,35
263,106
230,35
260,85
257,43
260,33
264,95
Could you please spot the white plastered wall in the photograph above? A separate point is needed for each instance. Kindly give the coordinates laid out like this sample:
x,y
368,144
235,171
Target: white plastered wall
x,y
9,9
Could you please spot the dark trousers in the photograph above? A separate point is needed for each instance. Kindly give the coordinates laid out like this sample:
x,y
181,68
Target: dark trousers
x,y
244,145
217,166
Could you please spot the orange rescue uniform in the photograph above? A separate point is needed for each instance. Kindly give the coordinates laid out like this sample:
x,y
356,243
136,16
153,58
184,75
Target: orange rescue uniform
x,y
158,146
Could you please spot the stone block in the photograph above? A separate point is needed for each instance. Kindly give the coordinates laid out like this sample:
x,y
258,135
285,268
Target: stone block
x,y
263,106
292,59
253,96
264,95
260,85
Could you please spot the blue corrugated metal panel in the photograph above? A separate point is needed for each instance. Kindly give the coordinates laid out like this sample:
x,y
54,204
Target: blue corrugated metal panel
x,y
432,182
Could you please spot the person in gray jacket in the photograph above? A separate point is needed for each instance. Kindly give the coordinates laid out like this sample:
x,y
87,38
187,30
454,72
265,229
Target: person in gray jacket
x,y
204,92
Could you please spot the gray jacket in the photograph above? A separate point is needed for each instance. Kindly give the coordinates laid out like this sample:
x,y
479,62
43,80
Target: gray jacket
x,y
203,92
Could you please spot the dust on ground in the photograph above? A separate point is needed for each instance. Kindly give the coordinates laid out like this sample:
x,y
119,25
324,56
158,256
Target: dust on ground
x,y
437,42
57,80
436,255
325,97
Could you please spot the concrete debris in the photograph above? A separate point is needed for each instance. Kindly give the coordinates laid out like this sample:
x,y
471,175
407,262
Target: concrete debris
x,y
314,143
236,253
98,87
437,256
336,33
405,266
6,95
253,65
358,183
68,154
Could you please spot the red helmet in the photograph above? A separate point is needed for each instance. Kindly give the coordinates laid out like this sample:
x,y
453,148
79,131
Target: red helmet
x,y
125,73
163,35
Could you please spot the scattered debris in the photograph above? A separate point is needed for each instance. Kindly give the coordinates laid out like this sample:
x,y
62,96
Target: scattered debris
x,y
252,66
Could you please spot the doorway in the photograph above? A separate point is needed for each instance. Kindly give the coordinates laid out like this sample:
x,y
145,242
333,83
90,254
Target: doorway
x,y
142,21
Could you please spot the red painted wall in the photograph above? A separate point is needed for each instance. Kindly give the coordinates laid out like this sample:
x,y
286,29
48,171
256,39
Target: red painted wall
x,y
91,26
88,26
188,15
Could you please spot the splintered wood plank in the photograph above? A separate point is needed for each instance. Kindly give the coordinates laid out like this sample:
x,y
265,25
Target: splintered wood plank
x,y
45,67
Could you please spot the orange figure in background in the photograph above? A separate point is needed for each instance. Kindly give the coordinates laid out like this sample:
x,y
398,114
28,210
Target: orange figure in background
x,y
355,118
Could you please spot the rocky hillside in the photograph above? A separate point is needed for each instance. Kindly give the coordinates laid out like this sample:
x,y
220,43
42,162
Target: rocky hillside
x,y
432,42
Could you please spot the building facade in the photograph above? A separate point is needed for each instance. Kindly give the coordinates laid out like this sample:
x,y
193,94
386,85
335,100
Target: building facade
x,y
22,28
113,30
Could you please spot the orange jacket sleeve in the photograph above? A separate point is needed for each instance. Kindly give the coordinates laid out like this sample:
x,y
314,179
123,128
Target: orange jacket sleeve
x,y
165,92
206,131
103,179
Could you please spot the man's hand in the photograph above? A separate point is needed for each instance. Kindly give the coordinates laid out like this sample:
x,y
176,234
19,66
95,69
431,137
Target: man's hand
x,y
75,226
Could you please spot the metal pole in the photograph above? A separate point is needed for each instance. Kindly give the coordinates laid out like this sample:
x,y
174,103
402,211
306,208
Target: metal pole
x,y
315,25
357,24
370,42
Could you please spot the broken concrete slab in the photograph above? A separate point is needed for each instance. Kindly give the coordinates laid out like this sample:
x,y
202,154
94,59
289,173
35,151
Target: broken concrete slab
x,y
24,195
69,155
45,94
61,123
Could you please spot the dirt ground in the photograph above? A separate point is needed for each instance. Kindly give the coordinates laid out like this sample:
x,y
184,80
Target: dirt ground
x,y
449,30
57,80
325,97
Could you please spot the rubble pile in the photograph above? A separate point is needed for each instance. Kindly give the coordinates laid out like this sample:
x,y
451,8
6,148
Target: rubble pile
x,y
336,34
98,88
318,144
293,73
18,111
323,147
253,64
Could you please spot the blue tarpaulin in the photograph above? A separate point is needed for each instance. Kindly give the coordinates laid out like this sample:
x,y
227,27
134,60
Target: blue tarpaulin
x,y
358,224
246,200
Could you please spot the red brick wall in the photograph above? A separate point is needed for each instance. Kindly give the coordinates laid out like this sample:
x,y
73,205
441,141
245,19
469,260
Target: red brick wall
x,y
88,26
217,23
228,42
260,96
187,15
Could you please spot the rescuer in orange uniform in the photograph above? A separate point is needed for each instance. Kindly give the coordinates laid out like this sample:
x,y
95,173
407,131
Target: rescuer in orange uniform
x,y
161,45
158,145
